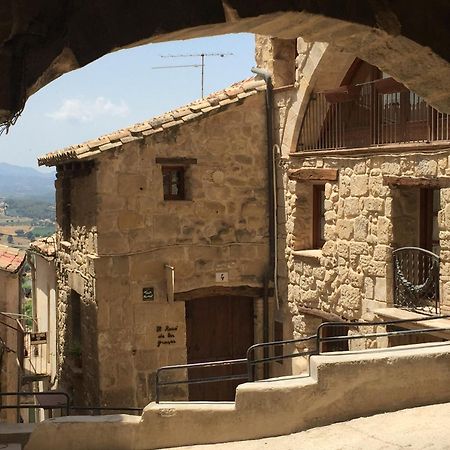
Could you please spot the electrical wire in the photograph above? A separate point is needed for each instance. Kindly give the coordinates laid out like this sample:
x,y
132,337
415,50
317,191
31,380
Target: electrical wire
x,y
164,247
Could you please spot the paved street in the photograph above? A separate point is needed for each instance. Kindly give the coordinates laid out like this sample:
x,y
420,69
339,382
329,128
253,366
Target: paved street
x,y
418,428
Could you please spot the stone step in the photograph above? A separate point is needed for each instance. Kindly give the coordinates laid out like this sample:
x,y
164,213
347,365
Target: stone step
x,y
15,435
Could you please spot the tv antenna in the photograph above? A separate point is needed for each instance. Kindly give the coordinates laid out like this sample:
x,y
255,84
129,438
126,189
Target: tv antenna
x,y
201,64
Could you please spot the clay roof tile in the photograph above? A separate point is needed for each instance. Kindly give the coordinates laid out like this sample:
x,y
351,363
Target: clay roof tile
x,y
208,105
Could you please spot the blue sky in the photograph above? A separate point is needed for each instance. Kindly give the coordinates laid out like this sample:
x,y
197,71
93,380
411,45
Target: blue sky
x,y
121,89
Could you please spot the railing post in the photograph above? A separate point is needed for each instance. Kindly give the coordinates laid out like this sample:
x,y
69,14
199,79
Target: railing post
x,y
157,386
318,339
250,366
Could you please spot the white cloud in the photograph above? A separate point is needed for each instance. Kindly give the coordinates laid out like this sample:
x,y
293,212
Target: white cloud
x,y
83,110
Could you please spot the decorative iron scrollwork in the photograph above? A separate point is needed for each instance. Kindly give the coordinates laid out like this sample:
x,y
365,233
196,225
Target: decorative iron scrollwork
x,y
416,279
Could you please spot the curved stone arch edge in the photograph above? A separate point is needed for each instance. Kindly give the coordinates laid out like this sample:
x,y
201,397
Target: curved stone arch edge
x,y
314,73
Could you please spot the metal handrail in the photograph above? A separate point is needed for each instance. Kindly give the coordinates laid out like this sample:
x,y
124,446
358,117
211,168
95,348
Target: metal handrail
x,y
398,250
63,406
104,408
251,352
222,363
18,406
251,362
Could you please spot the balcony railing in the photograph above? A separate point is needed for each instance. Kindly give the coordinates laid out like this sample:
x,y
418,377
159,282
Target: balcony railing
x,y
416,280
371,114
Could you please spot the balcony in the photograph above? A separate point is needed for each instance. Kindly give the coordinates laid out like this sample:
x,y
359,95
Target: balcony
x,y
416,280
376,113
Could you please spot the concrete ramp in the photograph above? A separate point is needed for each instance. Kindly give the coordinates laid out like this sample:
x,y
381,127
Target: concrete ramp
x,y
342,386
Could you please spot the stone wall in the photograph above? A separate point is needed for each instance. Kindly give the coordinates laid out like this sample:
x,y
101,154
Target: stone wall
x,y
77,361
9,301
365,219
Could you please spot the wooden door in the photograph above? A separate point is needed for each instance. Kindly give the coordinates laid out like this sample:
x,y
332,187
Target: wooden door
x,y
217,328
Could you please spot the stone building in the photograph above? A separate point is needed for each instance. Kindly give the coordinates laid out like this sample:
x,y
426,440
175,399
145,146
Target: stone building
x,y
40,343
162,247
11,266
364,171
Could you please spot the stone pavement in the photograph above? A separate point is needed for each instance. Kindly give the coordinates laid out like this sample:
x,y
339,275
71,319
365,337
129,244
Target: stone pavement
x,y
421,428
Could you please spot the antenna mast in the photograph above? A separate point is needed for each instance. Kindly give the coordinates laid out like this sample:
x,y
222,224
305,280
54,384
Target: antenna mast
x,y
202,57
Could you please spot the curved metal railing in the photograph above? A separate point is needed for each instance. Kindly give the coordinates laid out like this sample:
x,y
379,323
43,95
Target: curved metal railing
x,y
416,279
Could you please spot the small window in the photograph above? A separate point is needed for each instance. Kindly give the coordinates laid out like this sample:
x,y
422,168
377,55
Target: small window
x,y
318,215
174,182
335,331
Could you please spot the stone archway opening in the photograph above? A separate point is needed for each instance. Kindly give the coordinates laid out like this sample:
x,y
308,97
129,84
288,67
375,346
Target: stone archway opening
x,y
39,44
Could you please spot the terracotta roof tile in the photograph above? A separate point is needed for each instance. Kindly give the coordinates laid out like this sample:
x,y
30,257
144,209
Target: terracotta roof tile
x,y
45,246
192,116
195,110
11,259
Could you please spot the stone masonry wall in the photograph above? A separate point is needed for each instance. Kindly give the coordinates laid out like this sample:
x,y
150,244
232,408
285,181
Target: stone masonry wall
x,y
78,364
351,275
9,301
221,227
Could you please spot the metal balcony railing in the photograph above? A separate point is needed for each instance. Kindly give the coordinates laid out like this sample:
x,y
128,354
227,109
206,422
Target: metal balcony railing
x,y
416,280
371,114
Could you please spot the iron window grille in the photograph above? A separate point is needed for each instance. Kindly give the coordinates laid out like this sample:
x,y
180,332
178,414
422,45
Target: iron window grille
x,y
174,182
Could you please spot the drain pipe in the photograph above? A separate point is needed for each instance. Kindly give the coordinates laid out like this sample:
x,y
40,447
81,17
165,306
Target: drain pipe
x,y
270,276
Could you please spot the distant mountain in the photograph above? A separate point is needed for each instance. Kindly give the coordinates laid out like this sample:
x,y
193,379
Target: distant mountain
x,y
20,182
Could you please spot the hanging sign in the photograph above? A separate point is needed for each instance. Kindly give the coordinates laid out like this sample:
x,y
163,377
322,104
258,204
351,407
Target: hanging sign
x,y
38,338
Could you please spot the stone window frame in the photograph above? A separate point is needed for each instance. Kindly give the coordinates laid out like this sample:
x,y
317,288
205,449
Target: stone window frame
x,y
429,206
175,166
318,216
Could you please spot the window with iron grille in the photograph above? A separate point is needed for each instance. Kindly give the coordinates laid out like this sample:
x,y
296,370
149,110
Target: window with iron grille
x,y
174,182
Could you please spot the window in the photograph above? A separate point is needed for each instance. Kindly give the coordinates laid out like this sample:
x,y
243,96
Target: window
x,y
174,182
429,228
318,215
335,331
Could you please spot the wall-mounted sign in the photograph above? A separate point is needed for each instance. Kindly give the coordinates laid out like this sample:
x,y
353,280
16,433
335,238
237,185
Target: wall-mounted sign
x,y
221,277
148,294
166,335
38,338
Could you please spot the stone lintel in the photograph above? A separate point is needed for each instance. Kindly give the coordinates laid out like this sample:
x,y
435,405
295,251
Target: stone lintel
x,y
330,317
307,174
236,291
439,182
180,161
